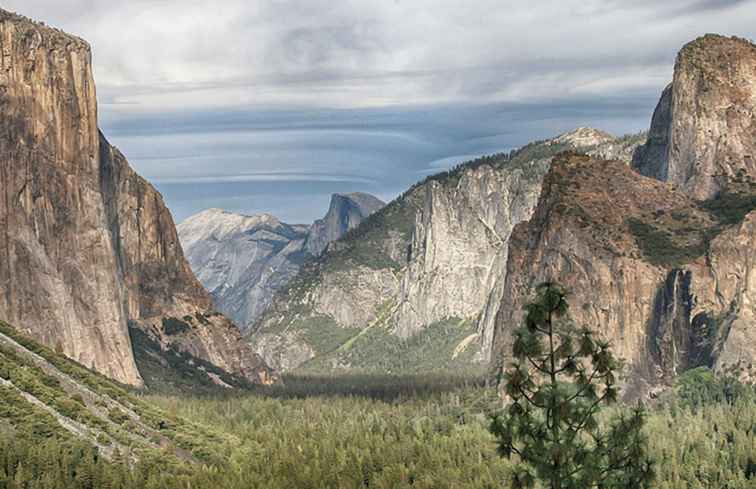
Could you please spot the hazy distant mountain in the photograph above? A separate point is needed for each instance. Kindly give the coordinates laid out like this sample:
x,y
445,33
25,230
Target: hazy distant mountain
x,y
244,260
346,212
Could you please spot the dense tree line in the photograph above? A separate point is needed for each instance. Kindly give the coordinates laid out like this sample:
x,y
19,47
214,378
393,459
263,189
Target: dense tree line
x,y
322,432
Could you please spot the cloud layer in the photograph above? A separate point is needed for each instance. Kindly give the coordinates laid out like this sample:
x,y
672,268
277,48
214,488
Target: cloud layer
x,y
372,92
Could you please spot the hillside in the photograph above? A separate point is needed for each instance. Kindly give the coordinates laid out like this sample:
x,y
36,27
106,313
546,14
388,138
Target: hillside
x,y
416,286
88,247
46,397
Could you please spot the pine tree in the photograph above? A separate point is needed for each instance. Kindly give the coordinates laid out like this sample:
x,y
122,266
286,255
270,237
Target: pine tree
x,y
560,379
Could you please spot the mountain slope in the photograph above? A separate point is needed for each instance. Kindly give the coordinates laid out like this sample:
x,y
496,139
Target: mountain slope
x,y
88,247
244,260
44,395
664,275
430,260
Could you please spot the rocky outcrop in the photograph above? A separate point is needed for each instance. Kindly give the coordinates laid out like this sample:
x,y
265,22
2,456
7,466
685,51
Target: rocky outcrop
x,y
346,212
643,262
88,247
435,255
704,129
662,270
244,260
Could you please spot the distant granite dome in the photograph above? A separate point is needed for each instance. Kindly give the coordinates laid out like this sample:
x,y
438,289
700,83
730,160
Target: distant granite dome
x,y
346,212
243,260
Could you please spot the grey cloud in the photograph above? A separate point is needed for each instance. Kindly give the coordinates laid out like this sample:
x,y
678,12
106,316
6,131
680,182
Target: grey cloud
x,y
379,92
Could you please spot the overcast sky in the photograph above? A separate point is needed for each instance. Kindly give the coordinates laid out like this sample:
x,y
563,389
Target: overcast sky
x,y
271,105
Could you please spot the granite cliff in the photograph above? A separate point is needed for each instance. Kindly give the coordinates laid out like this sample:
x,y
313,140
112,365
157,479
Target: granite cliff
x,y
88,248
662,266
703,133
244,260
417,285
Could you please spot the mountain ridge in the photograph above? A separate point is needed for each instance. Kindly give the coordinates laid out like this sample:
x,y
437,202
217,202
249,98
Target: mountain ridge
x,y
659,261
242,260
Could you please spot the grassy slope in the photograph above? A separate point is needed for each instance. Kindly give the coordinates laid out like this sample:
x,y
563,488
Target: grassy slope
x,y
99,412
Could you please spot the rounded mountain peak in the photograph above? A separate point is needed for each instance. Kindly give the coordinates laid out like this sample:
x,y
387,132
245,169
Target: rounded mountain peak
x,y
584,137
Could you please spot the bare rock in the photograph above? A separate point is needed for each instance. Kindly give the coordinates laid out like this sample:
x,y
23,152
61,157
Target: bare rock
x,y
703,133
87,245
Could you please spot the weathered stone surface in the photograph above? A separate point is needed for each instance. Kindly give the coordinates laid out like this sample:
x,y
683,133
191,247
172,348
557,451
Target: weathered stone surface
x,y
242,260
704,129
642,268
87,245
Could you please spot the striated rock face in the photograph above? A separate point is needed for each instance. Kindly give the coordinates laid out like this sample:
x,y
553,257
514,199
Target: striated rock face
x,y
346,212
459,245
244,260
88,247
436,255
644,264
704,129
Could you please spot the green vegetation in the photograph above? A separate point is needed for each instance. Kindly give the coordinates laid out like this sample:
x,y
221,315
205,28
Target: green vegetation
x,y
685,234
559,381
98,405
734,202
439,347
360,432
659,246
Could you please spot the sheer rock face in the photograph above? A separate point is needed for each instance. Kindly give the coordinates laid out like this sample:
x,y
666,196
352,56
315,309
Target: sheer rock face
x,y
87,245
459,246
438,252
704,129
244,260
346,212
664,303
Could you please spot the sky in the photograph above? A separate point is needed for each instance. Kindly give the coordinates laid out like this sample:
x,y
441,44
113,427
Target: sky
x,y
272,105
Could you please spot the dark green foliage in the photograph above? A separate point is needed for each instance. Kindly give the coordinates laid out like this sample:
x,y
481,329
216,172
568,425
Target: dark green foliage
x,y
657,244
173,326
359,431
685,237
700,387
558,383
733,203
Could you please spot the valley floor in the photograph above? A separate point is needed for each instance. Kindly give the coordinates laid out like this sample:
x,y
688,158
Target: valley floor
x,y
378,432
